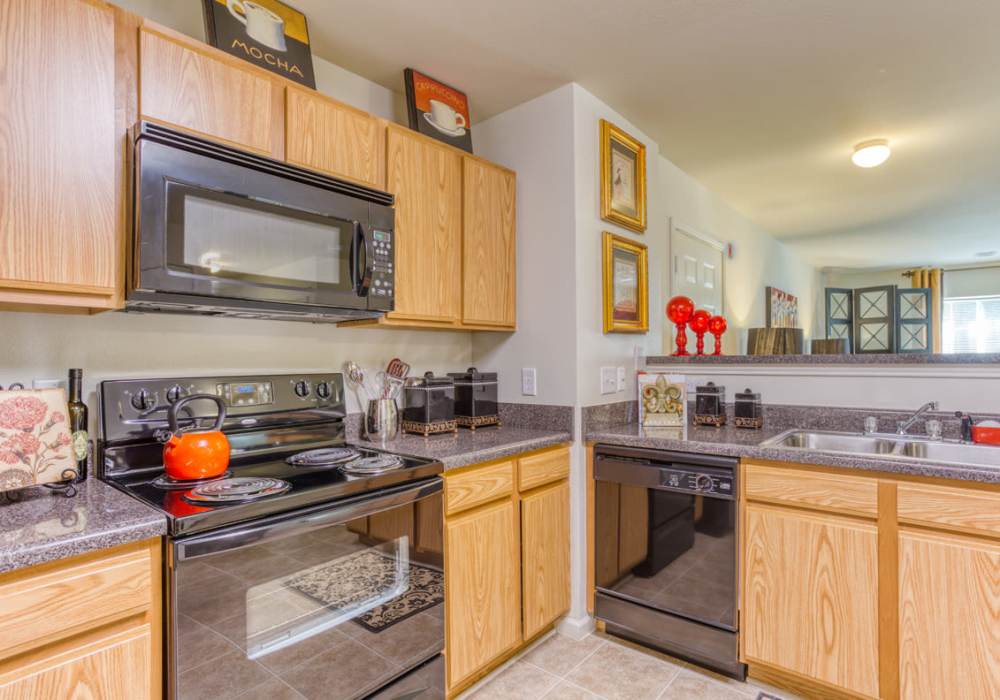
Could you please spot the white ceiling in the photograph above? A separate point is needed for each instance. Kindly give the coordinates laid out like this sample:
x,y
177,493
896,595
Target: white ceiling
x,y
761,100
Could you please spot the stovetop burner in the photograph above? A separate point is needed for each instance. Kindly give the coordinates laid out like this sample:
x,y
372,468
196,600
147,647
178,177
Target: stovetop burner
x,y
170,484
376,464
239,489
327,457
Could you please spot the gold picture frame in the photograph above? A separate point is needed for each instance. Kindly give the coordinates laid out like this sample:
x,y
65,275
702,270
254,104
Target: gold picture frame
x,y
623,178
626,287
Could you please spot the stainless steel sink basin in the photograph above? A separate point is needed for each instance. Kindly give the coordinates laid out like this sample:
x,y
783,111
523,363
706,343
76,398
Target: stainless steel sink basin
x,y
902,447
828,441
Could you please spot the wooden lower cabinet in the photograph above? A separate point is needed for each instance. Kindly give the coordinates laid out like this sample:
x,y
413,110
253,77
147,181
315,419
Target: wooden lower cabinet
x,y
482,594
949,616
545,541
811,596
85,627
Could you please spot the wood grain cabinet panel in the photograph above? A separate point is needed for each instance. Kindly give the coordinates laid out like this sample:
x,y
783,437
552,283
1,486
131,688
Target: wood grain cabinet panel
x,y
489,294
543,468
545,556
190,88
427,181
482,589
58,215
474,487
949,617
835,492
322,134
960,509
114,668
810,601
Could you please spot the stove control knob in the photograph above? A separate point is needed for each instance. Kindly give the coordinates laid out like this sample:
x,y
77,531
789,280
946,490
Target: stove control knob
x,y
142,400
703,482
323,390
174,393
302,389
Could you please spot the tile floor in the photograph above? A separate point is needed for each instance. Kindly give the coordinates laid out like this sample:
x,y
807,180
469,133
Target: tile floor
x,y
602,667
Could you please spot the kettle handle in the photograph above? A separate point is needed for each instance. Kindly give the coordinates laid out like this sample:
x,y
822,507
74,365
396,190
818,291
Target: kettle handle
x,y
176,407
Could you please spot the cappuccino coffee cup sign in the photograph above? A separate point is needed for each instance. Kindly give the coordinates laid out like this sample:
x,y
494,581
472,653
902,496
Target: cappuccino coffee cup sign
x,y
263,26
446,117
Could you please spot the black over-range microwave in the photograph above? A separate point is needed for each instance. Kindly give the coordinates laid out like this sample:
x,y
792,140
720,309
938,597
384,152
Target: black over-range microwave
x,y
225,232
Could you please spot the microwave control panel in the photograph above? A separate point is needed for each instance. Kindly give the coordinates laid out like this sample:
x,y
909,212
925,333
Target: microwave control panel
x,y
384,276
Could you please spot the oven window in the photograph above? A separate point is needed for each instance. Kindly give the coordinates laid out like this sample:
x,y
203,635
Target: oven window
x,y
225,236
337,612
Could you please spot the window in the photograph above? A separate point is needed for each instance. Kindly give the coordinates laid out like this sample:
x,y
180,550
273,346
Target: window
x,y
971,324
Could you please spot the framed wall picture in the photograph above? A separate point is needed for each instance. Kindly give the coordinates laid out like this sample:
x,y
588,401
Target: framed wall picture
x,y
438,110
267,33
626,292
781,309
623,178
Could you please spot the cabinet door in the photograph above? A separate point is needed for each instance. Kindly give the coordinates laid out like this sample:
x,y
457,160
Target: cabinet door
x,y
196,90
545,556
811,596
482,589
949,616
58,222
427,182
325,135
489,291
114,668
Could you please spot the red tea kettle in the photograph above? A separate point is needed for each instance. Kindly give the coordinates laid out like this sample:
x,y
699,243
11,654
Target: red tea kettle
x,y
190,454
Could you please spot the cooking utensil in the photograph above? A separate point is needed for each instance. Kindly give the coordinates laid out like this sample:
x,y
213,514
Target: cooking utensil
x,y
356,376
397,368
192,454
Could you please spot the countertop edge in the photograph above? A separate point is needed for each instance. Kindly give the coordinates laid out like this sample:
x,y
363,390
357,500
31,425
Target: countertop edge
x,y
488,454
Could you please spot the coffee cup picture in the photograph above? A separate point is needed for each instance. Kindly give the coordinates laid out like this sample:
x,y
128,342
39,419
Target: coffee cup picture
x,y
438,110
267,33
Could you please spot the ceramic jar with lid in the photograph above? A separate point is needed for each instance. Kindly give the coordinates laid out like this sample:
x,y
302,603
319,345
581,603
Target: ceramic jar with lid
x,y
710,405
430,405
748,411
476,398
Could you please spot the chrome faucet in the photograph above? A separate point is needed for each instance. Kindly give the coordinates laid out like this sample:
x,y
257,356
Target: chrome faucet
x,y
905,425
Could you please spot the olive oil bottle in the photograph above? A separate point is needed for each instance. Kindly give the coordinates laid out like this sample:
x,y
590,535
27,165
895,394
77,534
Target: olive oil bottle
x,y
77,411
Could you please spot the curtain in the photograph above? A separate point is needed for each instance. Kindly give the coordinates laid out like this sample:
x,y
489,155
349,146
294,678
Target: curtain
x,y
930,278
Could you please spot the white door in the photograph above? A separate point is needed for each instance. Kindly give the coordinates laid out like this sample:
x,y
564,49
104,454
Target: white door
x,y
696,272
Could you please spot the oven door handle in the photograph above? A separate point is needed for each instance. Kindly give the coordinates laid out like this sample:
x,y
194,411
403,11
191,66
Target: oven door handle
x,y
216,543
362,271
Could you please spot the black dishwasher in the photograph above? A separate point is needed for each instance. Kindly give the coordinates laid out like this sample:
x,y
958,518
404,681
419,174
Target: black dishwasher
x,y
665,560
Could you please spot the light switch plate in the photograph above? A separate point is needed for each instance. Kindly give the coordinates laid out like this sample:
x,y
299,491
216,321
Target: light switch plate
x,y
529,381
621,379
609,380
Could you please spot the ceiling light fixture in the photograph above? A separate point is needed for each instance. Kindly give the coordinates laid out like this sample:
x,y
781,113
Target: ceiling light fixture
x,y
869,154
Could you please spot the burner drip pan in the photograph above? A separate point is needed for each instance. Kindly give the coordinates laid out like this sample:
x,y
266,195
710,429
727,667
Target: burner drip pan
x,y
239,489
376,464
170,484
327,457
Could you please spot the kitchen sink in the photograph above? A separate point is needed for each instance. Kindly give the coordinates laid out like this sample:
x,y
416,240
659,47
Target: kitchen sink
x,y
890,446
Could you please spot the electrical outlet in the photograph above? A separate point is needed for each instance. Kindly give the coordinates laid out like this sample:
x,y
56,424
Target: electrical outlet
x,y
621,379
47,383
609,380
529,381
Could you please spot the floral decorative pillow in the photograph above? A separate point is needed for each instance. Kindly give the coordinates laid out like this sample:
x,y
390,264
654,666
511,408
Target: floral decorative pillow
x,y
35,445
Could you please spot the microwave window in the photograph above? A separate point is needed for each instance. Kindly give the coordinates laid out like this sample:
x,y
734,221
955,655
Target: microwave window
x,y
246,239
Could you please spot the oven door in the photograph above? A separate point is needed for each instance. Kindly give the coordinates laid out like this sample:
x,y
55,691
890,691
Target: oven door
x,y
667,548
340,602
212,228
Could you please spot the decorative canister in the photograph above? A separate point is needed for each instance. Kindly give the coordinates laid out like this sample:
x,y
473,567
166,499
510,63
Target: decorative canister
x,y
476,398
710,405
749,412
430,405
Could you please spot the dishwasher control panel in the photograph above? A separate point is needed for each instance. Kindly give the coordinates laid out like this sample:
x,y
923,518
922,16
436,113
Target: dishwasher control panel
x,y
699,482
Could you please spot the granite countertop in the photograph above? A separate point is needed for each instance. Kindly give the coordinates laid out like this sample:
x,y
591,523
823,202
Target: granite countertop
x,y
471,447
44,525
736,442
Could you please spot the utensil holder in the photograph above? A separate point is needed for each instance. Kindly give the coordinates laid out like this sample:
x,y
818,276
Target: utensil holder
x,y
381,422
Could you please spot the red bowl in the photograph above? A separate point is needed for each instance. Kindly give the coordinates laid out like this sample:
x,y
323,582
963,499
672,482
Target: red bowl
x,y
986,435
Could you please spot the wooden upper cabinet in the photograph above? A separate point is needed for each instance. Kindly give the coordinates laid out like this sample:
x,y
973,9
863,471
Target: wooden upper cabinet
x,y
489,294
810,598
427,181
58,216
189,85
326,135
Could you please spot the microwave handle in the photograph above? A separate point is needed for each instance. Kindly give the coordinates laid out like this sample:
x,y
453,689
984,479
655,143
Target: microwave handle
x,y
362,268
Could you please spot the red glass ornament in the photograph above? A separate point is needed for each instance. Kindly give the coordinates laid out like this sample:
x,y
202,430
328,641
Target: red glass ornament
x,y
679,310
717,326
699,324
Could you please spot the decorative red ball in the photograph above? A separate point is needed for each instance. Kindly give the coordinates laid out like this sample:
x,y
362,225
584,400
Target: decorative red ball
x,y
717,325
699,321
679,309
